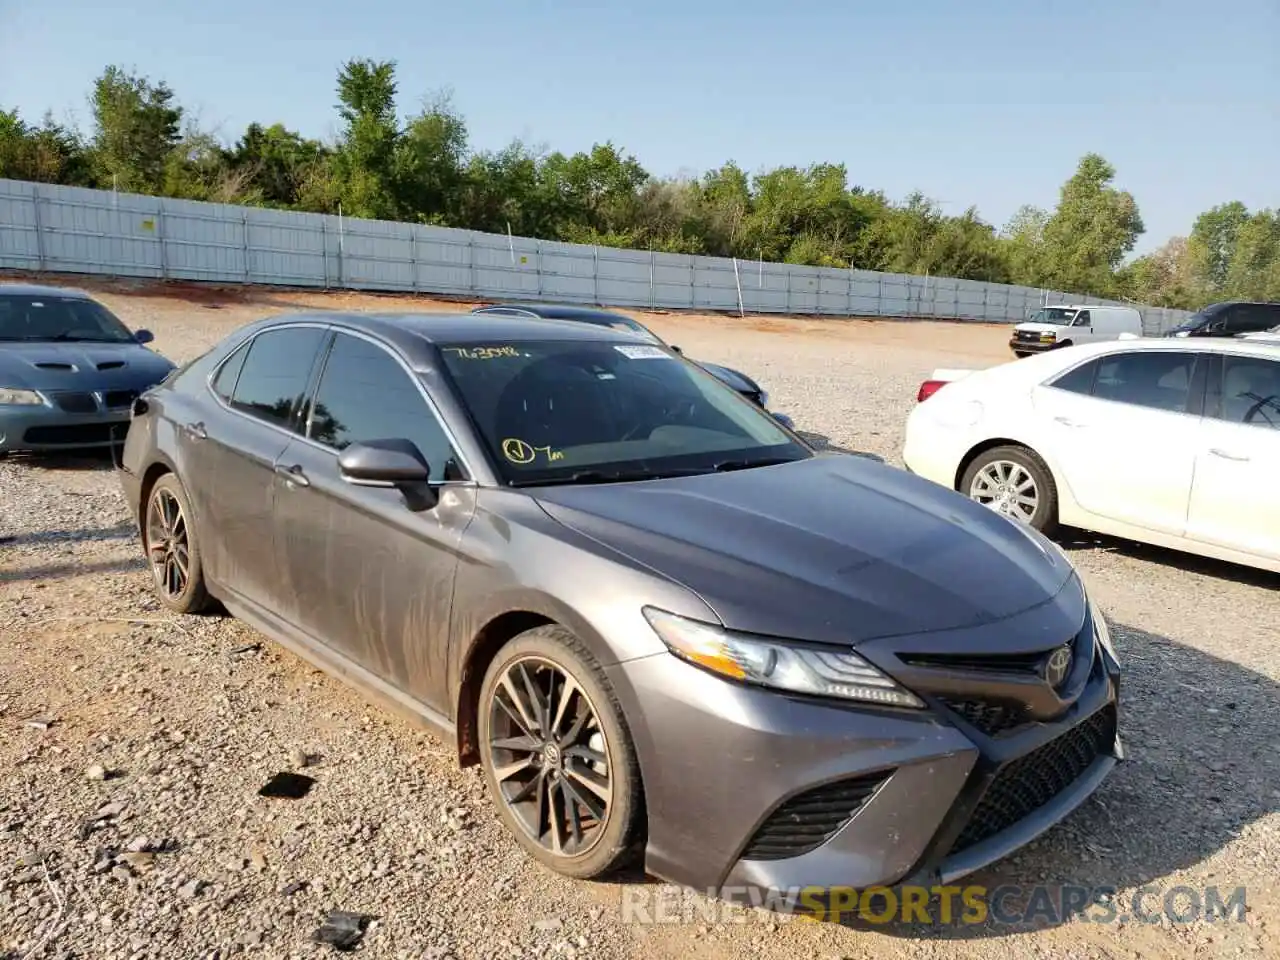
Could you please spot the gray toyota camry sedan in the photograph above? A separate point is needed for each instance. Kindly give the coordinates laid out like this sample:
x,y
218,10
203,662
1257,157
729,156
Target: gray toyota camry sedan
x,y
667,628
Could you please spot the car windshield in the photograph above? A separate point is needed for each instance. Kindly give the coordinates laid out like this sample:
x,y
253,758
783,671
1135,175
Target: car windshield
x,y
587,411
24,317
1058,316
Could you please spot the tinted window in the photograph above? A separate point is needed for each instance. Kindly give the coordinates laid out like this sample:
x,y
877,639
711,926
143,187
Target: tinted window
x,y
365,394
225,382
273,380
1251,391
1079,380
1156,379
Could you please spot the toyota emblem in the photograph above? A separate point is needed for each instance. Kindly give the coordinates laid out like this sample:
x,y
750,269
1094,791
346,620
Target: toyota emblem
x,y
1058,666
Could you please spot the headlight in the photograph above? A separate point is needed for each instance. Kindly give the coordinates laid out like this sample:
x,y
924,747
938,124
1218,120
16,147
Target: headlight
x,y
780,666
1102,632
22,398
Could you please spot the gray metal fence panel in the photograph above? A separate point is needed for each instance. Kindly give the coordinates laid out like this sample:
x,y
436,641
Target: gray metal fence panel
x,y
75,230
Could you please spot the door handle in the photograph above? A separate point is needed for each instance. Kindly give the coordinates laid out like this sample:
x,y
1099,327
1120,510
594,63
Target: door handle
x,y
196,431
1068,422
294,475
1227,456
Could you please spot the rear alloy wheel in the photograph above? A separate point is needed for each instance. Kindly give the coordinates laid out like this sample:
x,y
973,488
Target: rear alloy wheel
x,y
172,552
1015,482
557,754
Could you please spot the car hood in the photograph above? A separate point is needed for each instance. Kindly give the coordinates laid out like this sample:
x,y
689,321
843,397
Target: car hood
x,y
734,378
830,549
80,366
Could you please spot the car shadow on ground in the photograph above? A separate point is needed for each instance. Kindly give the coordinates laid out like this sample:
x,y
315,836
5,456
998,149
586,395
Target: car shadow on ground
x,y
1084,541
70,569
69,461
1199,734
121,531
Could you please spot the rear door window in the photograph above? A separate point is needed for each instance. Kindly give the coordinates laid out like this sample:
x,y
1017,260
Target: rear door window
x,y
273,381
1155,379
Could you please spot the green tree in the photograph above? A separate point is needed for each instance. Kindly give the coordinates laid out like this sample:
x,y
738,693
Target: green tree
x,y
364,161
1091,230
137,126
1213,243
49,153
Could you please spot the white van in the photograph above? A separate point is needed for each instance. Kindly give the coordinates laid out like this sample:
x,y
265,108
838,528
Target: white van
x,y
1065,324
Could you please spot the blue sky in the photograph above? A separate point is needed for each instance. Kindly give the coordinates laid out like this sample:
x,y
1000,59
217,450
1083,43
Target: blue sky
x,y
988,103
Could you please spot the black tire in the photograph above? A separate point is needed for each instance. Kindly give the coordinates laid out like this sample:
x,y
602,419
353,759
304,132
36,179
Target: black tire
x,y
615,841
192,595
1045,514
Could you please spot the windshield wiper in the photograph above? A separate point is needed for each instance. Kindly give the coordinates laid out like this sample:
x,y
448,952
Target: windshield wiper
x,y
602,476
725,465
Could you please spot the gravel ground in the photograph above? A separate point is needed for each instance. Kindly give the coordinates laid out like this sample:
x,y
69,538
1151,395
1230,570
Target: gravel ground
x,y
131,826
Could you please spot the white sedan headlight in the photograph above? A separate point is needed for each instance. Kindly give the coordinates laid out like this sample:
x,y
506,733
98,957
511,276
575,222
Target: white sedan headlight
x,y
13,396
839,673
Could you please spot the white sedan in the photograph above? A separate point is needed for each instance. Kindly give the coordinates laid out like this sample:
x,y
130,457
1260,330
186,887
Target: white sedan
x,y
1163,441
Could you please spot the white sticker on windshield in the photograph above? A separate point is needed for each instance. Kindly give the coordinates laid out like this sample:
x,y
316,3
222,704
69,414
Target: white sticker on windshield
x,y
641,352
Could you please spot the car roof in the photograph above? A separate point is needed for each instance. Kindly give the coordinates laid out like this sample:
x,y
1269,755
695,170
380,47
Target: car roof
x,y
1205,345
409,332
555,311
39,290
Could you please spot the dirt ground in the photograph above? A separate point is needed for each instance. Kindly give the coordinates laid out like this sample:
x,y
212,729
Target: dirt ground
x,y
131,827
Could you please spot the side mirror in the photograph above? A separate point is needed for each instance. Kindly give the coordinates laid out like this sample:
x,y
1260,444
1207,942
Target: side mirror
x,y
143,336
389,463
783,419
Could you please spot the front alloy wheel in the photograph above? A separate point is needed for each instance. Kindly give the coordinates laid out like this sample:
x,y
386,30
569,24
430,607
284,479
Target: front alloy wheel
x,y
550,756
558,757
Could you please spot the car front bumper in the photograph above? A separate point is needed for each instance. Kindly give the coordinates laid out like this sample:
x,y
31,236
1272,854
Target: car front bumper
x,y
46,427
1031,346
752,792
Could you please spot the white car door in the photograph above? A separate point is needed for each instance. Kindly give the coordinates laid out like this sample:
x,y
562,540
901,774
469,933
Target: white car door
x,y
1233,501
1123,429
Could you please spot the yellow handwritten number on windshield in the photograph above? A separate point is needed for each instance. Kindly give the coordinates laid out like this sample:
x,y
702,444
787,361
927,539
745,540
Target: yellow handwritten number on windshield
x,y
484,353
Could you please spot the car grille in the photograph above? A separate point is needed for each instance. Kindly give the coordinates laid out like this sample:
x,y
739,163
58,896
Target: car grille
x,y
1026,784
115,399
76,402
990,717
810,819
81,433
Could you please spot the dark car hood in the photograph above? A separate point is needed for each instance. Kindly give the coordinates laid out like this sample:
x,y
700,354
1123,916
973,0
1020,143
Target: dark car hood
x,y
830,549
734,378
43,365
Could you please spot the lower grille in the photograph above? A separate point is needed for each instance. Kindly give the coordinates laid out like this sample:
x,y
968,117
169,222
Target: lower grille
x,y
1026,784
76,402
988,716
116,399
810,819
71,435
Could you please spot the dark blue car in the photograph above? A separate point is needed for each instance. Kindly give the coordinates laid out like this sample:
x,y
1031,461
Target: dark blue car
x,y
69,370
605,318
